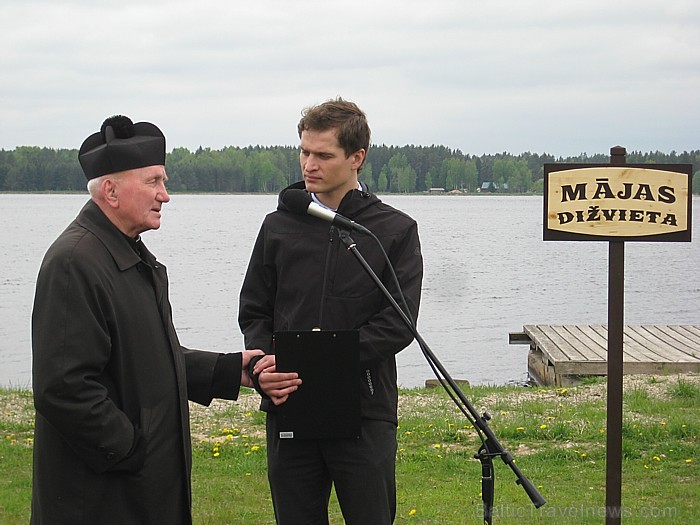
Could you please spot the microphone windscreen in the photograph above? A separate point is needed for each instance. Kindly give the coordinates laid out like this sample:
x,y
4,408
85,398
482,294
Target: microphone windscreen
x,y
296,201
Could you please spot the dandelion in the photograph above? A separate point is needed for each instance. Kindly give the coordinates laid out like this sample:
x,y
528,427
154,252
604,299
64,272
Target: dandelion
x,y
437,445
688,461
543,426
520,429
656,458
254,448
412,512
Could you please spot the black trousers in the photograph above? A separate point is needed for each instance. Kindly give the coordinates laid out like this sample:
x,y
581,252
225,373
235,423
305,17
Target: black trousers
x,y
301,473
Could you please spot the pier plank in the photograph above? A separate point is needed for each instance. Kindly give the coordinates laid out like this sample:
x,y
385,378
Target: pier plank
x,y
689,331
689,345
596,342
652,337
559,354
552,350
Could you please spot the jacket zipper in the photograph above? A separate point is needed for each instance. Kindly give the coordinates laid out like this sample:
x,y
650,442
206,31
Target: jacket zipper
x,y
326,272
369,382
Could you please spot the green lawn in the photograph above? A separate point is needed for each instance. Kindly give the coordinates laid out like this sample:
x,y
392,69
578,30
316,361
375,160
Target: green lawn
x,y
557,436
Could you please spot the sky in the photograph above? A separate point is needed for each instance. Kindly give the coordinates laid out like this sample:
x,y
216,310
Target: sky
x,y
487,76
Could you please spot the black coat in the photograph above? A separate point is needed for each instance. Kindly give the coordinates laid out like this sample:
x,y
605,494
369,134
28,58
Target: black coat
x,y
111,384
301,276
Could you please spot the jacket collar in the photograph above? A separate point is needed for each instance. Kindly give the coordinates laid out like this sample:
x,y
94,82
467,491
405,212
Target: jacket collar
x,y
93,219
353,203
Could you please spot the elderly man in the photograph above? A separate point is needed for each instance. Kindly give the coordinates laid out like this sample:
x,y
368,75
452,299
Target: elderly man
x,y
111,380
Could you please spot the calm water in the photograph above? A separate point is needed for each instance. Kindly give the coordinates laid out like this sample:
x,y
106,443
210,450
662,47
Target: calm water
x,y
487,272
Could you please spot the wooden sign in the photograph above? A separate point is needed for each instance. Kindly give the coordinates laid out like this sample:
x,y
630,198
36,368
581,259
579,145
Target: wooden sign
x,y
623,203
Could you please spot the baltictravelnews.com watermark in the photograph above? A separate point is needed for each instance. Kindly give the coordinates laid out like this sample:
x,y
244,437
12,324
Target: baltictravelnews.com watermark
x,y
575,512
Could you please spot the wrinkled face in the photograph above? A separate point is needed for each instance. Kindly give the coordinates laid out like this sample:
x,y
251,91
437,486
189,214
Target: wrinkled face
x,y
141,193
326,170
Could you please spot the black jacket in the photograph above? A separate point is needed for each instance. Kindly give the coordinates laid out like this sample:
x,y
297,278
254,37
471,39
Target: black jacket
x,y
301,277
111,384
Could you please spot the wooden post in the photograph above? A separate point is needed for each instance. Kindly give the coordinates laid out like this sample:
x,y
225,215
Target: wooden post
x,y
616,304
572,211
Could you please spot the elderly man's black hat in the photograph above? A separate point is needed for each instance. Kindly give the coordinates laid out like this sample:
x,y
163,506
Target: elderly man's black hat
x,y
122,145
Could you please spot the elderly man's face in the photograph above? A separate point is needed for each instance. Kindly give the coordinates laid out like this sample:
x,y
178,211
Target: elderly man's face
x,y
141,194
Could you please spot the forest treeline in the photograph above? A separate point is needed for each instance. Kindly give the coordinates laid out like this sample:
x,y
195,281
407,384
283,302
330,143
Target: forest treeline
x,y
265,169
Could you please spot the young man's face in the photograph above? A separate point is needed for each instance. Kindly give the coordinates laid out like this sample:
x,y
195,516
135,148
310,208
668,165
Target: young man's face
x,y
326,170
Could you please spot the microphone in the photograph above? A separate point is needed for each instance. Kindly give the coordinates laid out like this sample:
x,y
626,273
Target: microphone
x,y
299,201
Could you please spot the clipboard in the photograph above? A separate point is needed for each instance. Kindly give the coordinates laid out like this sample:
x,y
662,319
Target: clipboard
x,y
327,403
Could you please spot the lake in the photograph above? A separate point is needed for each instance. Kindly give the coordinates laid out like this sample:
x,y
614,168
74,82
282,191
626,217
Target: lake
x,y
487,273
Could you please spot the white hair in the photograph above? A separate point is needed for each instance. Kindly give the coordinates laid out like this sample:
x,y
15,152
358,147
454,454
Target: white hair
x,y
93,185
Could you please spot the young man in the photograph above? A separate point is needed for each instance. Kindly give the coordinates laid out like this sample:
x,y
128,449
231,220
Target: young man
x,y
302,277
111,381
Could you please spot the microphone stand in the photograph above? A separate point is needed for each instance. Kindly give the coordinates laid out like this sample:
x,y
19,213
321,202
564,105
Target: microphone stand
x,y
490,447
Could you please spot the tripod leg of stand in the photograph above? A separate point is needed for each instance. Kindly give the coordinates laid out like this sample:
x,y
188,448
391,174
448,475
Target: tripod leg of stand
x,y
487,483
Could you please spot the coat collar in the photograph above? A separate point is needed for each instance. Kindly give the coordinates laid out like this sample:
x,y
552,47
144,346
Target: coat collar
x,y
353,202
92,218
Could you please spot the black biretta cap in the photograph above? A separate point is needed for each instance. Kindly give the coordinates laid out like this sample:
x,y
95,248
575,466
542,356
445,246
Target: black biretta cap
x,y
121,145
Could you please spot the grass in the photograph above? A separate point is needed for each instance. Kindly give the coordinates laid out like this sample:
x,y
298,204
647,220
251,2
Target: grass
x,y
557,436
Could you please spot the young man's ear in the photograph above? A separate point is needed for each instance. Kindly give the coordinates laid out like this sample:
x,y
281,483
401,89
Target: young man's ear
x,y
358,158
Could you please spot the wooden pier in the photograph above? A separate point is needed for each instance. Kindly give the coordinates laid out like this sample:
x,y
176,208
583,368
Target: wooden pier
x,y
560,354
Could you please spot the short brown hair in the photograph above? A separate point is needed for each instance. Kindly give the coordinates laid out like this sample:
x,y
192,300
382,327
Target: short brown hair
x,y
342,115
